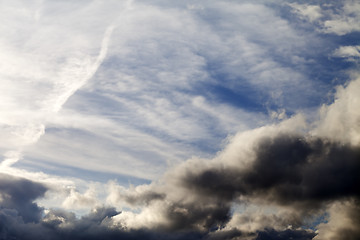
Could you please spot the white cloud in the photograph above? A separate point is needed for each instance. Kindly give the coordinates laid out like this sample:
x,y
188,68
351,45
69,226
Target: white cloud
x,y
347,52
346,21
311,12
339,221
76,200
42,68
142,69
341,120
338,18
156,67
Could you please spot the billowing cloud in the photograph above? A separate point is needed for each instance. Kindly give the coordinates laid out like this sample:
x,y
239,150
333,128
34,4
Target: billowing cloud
x,y
291,173
21,218
340,120
294,175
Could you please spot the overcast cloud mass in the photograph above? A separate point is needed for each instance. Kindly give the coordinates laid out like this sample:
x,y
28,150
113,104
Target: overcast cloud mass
x,y
151,119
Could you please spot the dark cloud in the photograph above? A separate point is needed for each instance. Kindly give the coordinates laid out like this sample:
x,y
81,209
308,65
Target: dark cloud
x,y
21,218
271,234
17,196
303,174
300,173
194,216
144,198
287,169
228,235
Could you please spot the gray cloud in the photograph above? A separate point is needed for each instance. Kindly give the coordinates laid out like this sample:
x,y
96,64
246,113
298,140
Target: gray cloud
x,y
17,196
271,234
287,169
301,175
20,218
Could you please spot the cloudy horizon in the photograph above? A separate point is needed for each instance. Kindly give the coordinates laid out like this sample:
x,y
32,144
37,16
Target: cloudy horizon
x,y
150,119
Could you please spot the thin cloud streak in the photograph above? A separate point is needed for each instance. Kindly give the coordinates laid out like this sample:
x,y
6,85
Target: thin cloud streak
x,y
71,77
169,100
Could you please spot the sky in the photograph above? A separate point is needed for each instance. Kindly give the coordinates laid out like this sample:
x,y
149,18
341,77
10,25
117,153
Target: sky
x,y
154,119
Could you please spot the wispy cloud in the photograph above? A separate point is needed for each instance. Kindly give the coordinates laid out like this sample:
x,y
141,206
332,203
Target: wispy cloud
x,y
48,78
160,83
278,173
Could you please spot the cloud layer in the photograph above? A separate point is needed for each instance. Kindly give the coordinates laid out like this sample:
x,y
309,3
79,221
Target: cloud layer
x,y
261,98
285,178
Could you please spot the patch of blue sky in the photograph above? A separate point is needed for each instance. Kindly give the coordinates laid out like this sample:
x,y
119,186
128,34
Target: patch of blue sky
x,y
240,93
348,39
246,97
314,221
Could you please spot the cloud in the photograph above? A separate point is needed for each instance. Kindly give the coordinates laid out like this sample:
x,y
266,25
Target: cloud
x,y
311,12
339,18
298,176
345,21
17,196
21,218
340,120
295,175
53,68
342,222
76,200
156,100
347,52
287,170
278,168
286,234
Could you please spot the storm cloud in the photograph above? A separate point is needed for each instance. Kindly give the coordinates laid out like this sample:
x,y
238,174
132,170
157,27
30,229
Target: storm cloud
x,y
287,169
302,175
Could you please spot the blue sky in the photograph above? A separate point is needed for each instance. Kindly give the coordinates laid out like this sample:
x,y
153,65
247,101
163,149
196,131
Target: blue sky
x,y
103,101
